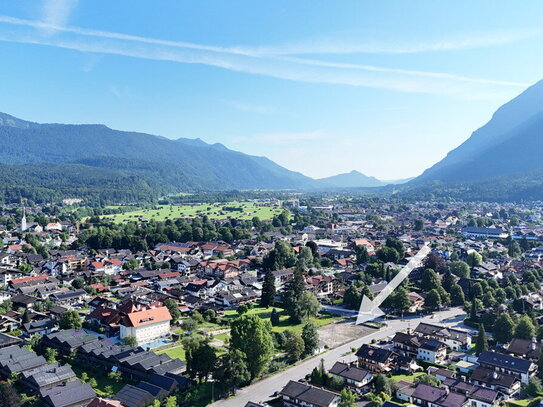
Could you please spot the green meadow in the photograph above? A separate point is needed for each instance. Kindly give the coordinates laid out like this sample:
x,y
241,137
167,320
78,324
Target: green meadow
x,y
219,211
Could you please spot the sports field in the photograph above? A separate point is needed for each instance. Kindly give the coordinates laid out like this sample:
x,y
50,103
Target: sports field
x,y
236,210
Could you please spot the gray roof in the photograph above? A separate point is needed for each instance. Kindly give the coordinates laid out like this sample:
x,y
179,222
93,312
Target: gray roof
x,y
68,394
49,374
504,361
309,394
132,396
442,331
491,377
17,359
349,372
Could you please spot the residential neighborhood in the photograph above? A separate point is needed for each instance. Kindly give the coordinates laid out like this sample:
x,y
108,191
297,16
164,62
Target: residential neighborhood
x,y
87,319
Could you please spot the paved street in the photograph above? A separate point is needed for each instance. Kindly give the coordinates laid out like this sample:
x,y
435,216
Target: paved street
x,y
263,390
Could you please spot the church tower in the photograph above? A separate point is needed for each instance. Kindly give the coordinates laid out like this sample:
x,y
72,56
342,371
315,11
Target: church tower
x,y
24,225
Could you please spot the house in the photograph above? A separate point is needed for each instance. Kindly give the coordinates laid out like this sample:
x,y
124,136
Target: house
x,y
69,298
455,339
491,379
429,350
417,302
41,327
320,285
100,402
107,318
480,232
47,376
296,394
406,344
440,373
405,390
375,359
67,340
432,351
146,326
430,396
132,396
530,349
355,378
502,363
70,394
477,396
14,359
53,226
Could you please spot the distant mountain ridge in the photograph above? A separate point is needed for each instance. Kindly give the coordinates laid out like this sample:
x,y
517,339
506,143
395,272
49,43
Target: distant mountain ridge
x,y
500,161
353,179
202,165
519,120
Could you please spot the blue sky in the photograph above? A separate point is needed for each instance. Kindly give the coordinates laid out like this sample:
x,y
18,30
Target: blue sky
x,y
321,87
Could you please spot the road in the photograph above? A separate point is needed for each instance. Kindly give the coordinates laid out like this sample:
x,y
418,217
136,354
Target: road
x,y
369,309
263,389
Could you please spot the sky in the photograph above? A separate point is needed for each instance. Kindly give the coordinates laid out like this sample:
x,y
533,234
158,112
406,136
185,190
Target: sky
x,y
320,87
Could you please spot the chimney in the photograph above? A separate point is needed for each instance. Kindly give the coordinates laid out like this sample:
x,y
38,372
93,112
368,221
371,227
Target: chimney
x,y
495,375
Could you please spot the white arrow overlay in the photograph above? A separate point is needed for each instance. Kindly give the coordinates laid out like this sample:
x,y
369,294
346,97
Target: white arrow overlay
x,y
369,309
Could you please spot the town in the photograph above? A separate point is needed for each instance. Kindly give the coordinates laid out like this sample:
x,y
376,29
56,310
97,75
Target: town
x,y
230,309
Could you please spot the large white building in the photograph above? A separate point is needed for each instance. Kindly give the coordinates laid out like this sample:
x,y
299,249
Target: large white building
x,y
146,326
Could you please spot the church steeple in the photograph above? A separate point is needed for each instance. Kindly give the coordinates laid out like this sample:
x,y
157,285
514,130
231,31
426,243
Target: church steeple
x,y
24,225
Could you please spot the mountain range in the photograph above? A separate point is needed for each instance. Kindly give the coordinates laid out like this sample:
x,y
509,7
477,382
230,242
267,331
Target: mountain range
x,y
501,160
90,159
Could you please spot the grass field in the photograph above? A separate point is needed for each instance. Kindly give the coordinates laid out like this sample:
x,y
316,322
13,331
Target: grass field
x,y
410,378
284,323
522,403
262,210
105,387
175,352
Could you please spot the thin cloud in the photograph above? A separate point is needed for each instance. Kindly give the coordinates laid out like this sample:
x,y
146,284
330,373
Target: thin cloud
x,y
365,46
55,14
281,67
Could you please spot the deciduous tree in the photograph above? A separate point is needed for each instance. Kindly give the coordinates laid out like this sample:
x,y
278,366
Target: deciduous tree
x,y
251,335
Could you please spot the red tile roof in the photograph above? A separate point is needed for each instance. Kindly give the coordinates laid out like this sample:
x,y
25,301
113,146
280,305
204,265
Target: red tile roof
x,y
148,317
26,279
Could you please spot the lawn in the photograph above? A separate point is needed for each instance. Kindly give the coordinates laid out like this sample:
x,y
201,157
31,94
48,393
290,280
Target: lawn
x,y
248,210
284,323
409,378
175,352
520,403
102,381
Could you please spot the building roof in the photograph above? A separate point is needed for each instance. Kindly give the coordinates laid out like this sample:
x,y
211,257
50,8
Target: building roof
x,y
504,361
439,396
525,347
16,359
68,394
373,353
132,396
492,377
441,331
349,372
99,402
148,317
309,394
481,230
47,375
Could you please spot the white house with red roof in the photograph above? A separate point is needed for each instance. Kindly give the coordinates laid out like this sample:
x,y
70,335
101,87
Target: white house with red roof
x,y
146,326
